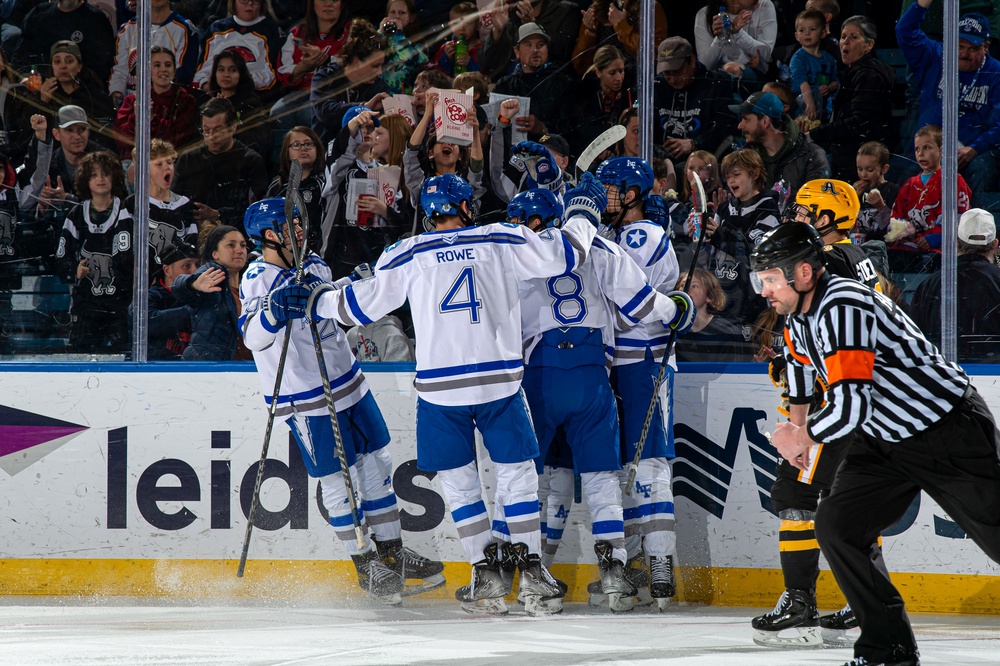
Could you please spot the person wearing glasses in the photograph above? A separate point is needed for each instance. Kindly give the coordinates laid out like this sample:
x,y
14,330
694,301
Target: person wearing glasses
x,y
251,31
221,175
303,144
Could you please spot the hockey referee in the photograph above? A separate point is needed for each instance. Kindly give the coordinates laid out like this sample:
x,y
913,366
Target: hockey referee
x,y
913,419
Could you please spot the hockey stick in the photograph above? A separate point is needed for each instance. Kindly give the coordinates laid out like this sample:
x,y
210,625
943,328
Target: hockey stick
x,y
294,178
292,197
604,140
700,203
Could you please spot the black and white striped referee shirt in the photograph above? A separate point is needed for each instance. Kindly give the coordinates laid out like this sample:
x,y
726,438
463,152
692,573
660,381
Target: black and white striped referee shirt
x,y
883,376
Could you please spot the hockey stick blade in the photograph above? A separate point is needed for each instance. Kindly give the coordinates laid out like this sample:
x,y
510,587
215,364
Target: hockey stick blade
x,y
605,140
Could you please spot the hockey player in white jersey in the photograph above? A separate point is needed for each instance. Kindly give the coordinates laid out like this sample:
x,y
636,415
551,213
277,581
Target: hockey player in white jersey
x,y
462,285
568,331
649,510
268,306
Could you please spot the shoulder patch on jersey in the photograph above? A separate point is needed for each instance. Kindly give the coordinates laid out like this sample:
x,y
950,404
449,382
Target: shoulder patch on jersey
x,y
509,224
255,270
635,237
393,246
544,233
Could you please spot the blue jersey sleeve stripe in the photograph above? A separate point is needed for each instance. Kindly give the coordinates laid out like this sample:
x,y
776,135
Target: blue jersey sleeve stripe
x,y
468,369
570,253
439,243
636,301
660,251
352,303
468,511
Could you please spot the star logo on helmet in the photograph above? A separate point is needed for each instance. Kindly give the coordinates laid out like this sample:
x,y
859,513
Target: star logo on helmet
x,y
635,238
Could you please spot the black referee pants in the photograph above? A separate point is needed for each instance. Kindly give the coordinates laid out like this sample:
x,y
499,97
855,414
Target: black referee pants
x,y
955,462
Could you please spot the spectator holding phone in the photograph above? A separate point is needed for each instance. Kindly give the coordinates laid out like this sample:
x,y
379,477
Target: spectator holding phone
x,y
559,20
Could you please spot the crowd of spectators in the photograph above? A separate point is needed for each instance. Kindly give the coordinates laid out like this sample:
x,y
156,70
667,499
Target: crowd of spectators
x,y
756,96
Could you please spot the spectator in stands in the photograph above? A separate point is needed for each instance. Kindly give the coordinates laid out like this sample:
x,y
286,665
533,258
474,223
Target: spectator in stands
x,y
169,320
862,108
790,157
915,226
222,176
15,113
403,59
75,20
746,51
231,81
355,79
53,176
212,292
464,25
171,215
537,78
629,146
174,111
559,20
431,78
73,84
623,22
979,90
309,45
600,98
814,71
692,104
304,145
877,194
978,282
250,30
95,256
171,31
712,339
706,166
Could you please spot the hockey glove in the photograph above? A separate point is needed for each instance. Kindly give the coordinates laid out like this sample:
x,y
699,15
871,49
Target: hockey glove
x,y
362,271
282,304
312,304
588,199
540,165
655,207
684,317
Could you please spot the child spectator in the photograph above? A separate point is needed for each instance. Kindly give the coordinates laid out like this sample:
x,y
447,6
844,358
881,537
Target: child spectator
x,y
712,339
876,193
174,109
915,224
783,92
304,145
231,80
706,166
464,25
737,228
404,59
171,215
169,320
814,71
249,27
431,78
95,257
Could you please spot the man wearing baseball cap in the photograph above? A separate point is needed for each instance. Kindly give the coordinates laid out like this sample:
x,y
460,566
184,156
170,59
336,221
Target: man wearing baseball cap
x,y
55,159
791,158
537,78
979,90
978,292
560,21
690,102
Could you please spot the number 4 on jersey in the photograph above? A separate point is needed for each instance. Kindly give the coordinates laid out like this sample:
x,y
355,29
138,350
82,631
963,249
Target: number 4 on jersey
x,y
464,287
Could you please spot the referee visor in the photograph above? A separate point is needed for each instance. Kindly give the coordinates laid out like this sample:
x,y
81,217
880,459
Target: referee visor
x,y
773,279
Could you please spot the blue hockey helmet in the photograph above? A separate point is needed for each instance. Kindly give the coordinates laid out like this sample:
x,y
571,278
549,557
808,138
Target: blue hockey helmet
x,y
626,173
442,195
265,214
536,203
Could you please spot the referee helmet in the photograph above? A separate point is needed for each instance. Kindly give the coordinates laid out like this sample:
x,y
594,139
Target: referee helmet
x,y
785,246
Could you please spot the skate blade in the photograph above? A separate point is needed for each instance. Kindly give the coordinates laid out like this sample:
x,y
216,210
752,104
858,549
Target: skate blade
x,y
643,598
795,637
537,606
619,603
662,604
495,606
840,637
425,585
597,600
394,599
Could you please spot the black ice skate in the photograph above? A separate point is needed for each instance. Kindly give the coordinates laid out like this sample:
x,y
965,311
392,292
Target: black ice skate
x,y
834,627
635,573
907,661
484,596
794,622
661,582
423,574
378,580
539,591
621,593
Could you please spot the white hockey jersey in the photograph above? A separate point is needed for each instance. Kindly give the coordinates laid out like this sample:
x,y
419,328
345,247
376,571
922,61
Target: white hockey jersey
x,y
176,34
301,386
649,246
462,285
589,296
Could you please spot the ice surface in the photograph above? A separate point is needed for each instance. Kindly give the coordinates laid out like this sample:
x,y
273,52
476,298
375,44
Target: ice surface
x,y
65,632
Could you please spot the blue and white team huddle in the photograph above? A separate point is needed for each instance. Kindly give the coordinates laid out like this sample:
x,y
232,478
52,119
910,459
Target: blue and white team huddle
x,y
544,333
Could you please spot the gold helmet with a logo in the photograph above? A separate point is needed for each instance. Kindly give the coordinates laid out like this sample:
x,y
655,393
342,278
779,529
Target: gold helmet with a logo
x,y
835,198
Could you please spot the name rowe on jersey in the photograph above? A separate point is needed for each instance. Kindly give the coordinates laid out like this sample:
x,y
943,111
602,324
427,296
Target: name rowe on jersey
x,y
462,285
271,301
568,333
639,348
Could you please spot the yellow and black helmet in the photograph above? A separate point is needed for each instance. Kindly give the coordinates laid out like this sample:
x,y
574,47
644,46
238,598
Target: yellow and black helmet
x,y
835,198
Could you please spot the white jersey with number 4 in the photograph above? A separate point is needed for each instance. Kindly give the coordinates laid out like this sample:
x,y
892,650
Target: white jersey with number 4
x,y
649,246
606,284
301,386
462,285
